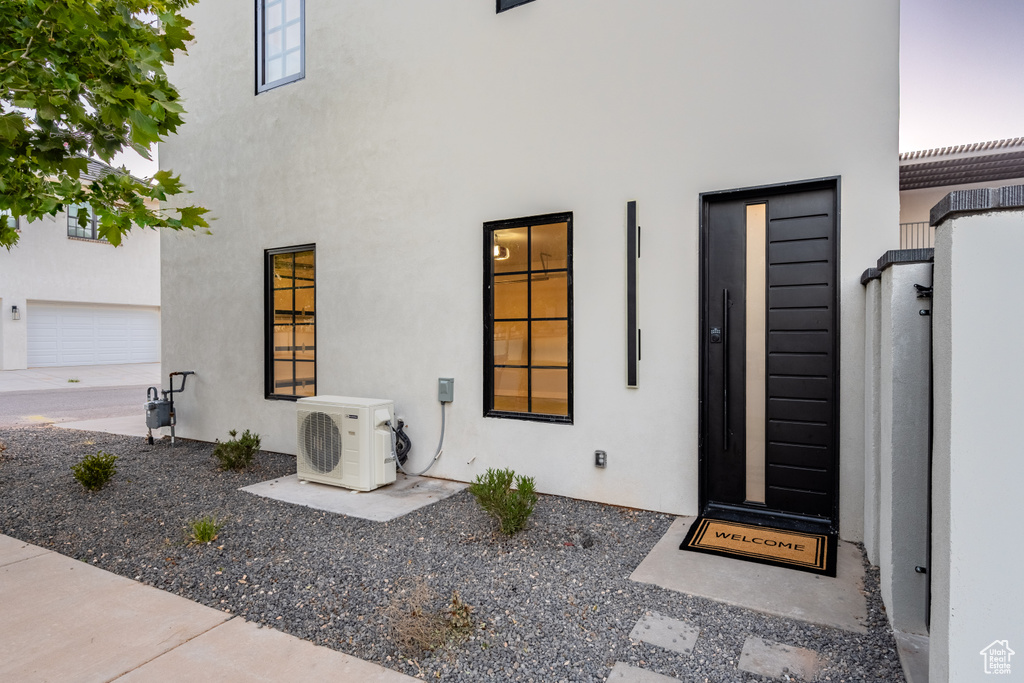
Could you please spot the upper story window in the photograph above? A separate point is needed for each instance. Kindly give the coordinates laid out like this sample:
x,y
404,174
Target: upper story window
x,y
10,221
280,42
509,4
291,322
82,223
528,318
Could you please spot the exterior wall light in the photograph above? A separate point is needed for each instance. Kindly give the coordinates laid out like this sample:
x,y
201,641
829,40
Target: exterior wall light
x,y
15,313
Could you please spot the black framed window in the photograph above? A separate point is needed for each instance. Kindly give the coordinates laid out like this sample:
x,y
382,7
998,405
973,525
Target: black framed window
x,y
291,322
509,4
82,223
280,42
528,318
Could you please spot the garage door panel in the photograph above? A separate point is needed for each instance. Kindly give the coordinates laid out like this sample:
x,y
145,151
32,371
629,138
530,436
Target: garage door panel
x,y
80,334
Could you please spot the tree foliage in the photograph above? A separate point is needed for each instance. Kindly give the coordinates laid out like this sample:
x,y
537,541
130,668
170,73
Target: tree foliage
x,y
85,78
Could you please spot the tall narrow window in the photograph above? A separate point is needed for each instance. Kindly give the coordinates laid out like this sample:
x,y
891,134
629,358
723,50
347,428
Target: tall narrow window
x,y
280,42
291,322
528,318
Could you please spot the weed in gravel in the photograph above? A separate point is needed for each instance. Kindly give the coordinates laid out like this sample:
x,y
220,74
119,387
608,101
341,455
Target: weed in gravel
x,y
204,529
94,471
417,627
512,507
237,454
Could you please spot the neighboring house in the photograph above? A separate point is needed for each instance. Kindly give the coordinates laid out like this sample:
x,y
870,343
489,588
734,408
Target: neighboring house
x,y
929,175
410,190
67,297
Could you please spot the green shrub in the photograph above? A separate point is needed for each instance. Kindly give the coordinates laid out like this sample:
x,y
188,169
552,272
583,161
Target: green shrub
x,y
204,529
510,506
237,454
94,471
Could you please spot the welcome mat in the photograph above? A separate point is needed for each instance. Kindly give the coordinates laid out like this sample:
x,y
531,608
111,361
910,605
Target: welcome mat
x,y
808,552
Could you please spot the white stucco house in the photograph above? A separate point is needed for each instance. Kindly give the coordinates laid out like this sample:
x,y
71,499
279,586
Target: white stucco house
x,y
405,191
635,234
67,297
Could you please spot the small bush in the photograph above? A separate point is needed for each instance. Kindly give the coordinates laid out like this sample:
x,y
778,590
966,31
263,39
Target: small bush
x,y
94,471
417,627
510,506
237,454
204,529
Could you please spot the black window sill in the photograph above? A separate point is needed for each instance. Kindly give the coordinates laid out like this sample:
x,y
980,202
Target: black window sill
x,y
530,417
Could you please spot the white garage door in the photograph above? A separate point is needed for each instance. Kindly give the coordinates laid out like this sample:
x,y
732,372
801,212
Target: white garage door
x,y
84,334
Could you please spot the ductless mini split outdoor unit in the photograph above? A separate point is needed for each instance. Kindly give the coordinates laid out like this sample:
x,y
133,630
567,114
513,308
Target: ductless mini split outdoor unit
x,y
345,441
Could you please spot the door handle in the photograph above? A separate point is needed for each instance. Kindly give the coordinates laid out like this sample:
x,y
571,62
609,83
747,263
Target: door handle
x,y
725,369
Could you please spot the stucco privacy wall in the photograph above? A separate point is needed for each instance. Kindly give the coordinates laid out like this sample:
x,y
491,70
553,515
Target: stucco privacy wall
x,y
977,594
46,266
417,122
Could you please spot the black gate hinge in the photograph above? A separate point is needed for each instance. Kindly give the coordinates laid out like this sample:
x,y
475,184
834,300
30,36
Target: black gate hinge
x,y
923,292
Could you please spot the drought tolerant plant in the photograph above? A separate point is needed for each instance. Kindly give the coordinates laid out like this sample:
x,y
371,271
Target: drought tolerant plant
x,y
510,506
204,529
94,471
417,627
237,454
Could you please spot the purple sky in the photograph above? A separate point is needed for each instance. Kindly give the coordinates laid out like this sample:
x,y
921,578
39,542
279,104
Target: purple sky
x,y
961,72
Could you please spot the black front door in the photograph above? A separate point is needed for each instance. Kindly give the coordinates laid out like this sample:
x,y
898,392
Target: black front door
x,y
769,375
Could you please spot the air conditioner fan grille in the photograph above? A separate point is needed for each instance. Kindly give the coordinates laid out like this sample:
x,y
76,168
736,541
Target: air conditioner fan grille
x,y
321,442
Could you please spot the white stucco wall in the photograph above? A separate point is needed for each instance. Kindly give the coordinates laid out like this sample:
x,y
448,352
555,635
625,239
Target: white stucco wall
x,y
977,592
417,122
47,266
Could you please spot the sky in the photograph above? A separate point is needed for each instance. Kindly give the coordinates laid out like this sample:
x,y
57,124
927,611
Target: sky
x,y
961,72
961,75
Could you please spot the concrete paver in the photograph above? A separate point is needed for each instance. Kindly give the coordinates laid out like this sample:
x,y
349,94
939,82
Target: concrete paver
x,y
775,660
671,634
12,550
624,673
64,620
380,505
242,651
913,651
838,602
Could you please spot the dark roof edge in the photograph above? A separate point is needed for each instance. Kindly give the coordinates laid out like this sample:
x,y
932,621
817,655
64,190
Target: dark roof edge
x,y
977,201
903,256
869,275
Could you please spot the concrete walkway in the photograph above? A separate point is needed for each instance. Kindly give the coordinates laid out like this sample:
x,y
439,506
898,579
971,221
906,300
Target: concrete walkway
x,y
35,379
64,620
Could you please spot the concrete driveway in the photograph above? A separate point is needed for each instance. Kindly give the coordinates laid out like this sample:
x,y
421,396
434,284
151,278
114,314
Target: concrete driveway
x,y
103,398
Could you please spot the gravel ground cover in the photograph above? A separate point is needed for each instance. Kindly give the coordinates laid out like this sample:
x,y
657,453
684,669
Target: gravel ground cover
x,y
554,603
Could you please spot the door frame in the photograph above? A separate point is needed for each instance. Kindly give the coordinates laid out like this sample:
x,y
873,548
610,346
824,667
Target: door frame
x,y
742,512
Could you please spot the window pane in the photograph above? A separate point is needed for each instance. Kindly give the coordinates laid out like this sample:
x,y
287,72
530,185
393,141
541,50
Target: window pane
x,y
509,250
551,392
292,10
305,373
550,342
283,308
274,69
510,390
550,296
284,378
272,13
305,342
304,268
274,46
510,343
510,296
292,36
550,246
304,301
292,63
